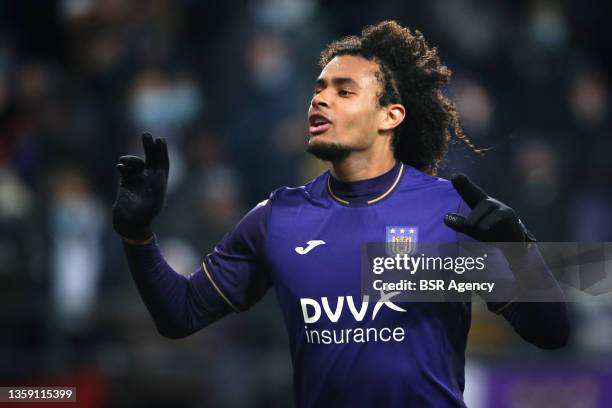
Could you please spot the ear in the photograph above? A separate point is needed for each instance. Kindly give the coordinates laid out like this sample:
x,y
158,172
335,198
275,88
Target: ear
x,y
394,114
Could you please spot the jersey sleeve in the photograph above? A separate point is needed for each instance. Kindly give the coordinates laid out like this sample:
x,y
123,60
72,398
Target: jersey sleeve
x,y
236,268
544,324
233,277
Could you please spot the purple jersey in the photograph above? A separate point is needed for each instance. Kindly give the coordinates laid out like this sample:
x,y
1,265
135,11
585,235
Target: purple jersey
x,y
306,243
346,350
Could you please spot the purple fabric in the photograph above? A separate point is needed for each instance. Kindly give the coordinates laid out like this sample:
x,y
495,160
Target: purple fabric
x,y
320,297
237,264
182,305
544,324
358,193
179,305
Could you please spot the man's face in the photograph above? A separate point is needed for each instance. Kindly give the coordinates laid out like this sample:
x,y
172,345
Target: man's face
x,y
344,115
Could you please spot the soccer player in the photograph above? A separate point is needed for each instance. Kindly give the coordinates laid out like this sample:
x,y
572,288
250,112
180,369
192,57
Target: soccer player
x,y
379,117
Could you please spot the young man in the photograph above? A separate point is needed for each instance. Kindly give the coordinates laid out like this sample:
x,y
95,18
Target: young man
x,y
379,117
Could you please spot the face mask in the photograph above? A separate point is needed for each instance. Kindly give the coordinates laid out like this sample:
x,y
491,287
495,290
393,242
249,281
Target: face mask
x,y
173,105
272,70
77,218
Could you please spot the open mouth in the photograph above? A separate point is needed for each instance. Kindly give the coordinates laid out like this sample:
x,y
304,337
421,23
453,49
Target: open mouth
x,y
318,124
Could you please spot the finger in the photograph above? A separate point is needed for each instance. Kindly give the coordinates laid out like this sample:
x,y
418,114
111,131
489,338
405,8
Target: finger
x,y
149,150
129,165
458,223
162,154
482,210
470,192
126,171
132,161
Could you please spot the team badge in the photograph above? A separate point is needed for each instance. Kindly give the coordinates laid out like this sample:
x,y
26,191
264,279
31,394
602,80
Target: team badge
x,y
402,240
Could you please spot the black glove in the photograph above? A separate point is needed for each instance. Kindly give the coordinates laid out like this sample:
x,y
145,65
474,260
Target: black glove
x,y
490,220
142,189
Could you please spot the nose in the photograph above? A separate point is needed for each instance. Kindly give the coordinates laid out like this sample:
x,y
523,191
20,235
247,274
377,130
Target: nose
x,y
318,101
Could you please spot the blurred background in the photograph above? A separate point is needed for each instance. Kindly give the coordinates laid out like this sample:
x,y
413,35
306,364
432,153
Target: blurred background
x,y
228,84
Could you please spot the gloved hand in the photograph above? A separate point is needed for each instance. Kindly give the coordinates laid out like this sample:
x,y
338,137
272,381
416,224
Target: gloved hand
x,y
142,189
490,219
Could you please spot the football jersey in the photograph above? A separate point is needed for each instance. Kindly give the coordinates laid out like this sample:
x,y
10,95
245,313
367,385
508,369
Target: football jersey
x,y
348,350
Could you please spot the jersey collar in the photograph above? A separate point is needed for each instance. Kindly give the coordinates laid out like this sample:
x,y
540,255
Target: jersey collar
x,y
365,192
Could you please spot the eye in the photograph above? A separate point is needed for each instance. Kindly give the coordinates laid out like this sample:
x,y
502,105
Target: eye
x,y
344,92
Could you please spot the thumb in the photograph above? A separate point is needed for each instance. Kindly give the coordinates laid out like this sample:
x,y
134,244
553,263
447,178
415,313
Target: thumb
x,y
458,223
130,165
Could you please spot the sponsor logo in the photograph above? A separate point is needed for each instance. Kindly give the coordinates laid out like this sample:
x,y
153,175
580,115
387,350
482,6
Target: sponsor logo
x,y
314,310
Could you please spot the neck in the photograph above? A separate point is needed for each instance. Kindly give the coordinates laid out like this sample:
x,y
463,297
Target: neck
x,y
361,166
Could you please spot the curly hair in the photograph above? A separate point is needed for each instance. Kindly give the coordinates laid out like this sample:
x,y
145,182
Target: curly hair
x,y
411,74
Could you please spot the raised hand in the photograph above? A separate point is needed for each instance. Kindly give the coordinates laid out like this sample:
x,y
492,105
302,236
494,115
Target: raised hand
x,y
490,219
142,189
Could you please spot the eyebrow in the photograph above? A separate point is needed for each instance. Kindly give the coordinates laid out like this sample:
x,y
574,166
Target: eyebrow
x,y
338,81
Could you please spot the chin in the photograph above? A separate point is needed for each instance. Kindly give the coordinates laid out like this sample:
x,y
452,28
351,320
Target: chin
x,y
320,141
326,150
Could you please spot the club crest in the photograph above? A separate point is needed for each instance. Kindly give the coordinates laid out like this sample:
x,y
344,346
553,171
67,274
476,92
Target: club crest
x,y
402,240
